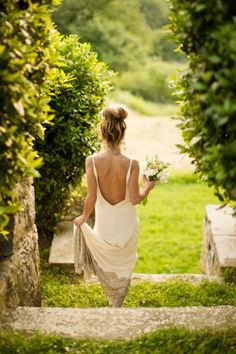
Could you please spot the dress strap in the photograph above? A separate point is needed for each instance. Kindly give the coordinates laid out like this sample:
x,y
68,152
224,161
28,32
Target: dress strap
x,y
94,168
129,170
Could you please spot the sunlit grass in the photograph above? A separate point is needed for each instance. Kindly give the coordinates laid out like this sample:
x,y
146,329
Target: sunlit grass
x,y
171,226
163,341
65,291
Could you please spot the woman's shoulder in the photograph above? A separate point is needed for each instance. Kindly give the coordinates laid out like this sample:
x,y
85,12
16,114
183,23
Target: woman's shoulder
x,y
95,156
131,158
134,163
89,160
102,155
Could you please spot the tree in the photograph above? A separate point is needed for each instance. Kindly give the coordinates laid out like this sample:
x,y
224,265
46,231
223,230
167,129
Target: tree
x,y
117,30
155,12
206,32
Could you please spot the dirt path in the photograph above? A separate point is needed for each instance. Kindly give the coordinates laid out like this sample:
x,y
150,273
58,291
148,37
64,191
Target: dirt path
x,y
155,135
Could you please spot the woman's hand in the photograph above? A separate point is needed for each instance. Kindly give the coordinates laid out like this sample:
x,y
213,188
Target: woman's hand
x,y
79,220
148,184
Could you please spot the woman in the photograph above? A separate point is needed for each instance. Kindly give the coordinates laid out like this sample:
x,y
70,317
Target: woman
x,y
109,249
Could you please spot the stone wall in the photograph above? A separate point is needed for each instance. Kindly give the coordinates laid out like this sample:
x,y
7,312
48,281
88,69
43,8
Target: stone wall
x,y
219,242
19,269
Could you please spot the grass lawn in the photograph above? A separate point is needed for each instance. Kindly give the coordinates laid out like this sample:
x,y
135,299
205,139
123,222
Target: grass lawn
x,y
67,290
161,342
171,226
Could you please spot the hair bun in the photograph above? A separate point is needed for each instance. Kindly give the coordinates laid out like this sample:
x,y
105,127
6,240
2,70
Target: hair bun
x,y
115,111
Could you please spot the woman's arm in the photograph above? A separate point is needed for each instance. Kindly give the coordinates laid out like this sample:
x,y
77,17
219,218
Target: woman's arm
x,y
91,196
135,195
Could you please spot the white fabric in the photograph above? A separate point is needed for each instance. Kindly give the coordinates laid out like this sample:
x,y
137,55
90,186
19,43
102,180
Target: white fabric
x,y
112,243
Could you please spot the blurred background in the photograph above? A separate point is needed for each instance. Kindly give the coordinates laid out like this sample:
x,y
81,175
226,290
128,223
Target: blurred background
x,y
132,38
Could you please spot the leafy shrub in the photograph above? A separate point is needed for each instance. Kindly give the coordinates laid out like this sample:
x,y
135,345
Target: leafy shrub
x,y
25,28
149,81
76,99
206,32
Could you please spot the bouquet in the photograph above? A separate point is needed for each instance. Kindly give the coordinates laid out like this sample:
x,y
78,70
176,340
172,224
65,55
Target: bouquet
x,y
155,170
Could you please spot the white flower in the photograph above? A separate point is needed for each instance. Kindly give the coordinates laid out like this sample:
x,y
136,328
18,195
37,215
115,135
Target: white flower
x,y
155,169
150,172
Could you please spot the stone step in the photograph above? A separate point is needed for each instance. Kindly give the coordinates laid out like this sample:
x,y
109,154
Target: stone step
x,y
62,255
159,278
115,323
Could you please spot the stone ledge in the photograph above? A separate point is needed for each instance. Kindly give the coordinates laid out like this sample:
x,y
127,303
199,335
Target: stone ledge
x,y
219,241
226,249
221,220
116,323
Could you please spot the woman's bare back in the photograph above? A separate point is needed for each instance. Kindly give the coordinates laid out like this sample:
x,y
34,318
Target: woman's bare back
x,y
112,171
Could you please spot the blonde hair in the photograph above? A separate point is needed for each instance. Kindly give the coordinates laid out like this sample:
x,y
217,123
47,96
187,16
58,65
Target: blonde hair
x,y
113,125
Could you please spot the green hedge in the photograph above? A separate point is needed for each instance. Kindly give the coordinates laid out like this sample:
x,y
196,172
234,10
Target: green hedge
x,y
206,32
25,60
77,97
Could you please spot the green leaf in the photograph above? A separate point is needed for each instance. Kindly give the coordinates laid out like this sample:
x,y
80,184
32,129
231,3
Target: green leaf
x,y
215,59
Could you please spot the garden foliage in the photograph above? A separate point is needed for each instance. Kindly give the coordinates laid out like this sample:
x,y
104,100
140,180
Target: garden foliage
x,y
206,32
77,97
128,36
25,60
44,75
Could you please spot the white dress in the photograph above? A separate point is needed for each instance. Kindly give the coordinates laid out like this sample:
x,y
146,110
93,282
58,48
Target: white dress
x,y
109,250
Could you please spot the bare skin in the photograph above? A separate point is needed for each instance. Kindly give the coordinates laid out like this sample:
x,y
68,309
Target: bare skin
x,y
112,167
